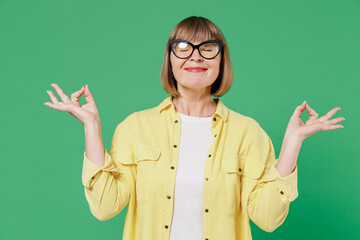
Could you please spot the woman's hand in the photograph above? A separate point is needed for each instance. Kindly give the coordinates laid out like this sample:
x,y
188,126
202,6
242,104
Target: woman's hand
x,y
303,130
297,131
87,113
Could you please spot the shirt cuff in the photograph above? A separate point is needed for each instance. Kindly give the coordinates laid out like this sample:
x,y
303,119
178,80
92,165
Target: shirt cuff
x,y
287,185
90,170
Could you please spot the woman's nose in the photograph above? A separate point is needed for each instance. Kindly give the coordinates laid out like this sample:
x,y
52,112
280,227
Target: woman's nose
x,y
196,55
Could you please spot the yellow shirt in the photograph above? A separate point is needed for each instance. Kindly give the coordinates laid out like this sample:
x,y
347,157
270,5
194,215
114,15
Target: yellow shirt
x,y
240,179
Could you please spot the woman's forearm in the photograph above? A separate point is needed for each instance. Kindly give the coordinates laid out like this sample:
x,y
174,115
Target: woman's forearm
x,y
288,155
93,143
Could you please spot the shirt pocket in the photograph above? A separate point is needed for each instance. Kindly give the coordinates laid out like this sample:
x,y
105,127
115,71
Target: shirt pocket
x,y
253,169
233,169
147,158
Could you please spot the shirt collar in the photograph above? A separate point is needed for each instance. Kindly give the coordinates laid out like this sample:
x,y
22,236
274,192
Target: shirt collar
x,y
221,110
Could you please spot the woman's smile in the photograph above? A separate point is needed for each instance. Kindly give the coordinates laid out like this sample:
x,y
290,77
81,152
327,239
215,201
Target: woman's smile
x,y
195,69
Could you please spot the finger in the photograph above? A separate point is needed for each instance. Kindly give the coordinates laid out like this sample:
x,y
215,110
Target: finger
x,y
52,97
61,93
60,106
332,127
299,110
329,114
88,95
75,96
312,113
336,120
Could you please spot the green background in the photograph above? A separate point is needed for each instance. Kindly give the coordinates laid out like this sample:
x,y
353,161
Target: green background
x,y
283,52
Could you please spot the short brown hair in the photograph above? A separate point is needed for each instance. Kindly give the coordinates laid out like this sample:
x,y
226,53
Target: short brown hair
x,y
202,29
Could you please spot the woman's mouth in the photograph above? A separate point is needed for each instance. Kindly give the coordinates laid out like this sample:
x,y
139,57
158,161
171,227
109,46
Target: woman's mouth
x,y
195,69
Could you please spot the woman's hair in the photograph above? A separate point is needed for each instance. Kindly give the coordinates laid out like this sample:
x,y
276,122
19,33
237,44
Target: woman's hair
x,y
202,29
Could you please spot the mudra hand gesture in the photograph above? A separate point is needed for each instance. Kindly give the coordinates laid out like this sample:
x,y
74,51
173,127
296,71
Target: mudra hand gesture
x,y
86,114
297,131
303,130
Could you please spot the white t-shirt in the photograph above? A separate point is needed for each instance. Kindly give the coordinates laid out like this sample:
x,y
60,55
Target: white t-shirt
x,y
195,141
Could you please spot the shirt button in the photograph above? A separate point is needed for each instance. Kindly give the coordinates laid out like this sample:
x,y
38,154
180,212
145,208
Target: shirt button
x,y
206,210
239,169
176,121
172,167
215,135
166,226
175,146
281,192
206,239
92,177
168,196
207,179
209,155
214,119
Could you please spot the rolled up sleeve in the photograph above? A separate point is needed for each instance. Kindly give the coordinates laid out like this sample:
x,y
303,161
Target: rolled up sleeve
x,y
108,188
91,170
268,203
287,186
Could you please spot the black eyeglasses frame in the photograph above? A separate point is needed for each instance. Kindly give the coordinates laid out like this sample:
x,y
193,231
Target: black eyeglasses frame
x,y
195,47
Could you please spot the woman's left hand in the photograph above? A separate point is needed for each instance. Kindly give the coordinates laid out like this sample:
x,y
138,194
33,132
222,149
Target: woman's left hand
x,y
303,130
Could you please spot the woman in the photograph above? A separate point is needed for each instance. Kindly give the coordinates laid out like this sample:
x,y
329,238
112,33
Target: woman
x,y
190,168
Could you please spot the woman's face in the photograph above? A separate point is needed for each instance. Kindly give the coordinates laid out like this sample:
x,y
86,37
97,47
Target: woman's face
x,y
194,79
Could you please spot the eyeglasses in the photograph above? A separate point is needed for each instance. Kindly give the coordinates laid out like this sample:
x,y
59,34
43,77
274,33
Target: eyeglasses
x,y
208,49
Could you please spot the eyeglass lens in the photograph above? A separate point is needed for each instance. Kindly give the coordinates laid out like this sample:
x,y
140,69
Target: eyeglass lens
x,y
207,50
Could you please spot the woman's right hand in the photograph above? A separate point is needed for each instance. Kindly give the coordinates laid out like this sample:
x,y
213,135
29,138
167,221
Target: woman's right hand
x,y
87,113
